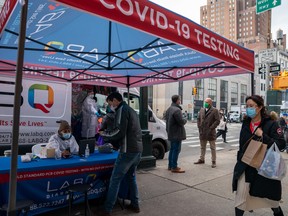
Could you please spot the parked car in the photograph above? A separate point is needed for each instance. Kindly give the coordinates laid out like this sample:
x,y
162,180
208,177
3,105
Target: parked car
x,y
234,117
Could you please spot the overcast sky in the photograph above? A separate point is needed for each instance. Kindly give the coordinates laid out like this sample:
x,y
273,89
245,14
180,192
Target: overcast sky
x,y
191,10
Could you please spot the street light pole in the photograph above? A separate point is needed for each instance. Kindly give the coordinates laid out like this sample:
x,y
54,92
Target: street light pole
x,y
193,106
252,84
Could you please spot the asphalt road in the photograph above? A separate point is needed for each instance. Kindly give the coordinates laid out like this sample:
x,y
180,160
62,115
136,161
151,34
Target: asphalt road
x,y
191,146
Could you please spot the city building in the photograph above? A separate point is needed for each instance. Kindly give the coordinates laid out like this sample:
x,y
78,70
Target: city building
x,y
238,21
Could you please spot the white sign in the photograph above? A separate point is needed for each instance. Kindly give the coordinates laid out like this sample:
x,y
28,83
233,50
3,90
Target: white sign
x,y
267,56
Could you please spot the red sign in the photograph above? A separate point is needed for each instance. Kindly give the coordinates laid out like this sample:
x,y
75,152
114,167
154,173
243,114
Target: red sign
x,y
156,20
7,9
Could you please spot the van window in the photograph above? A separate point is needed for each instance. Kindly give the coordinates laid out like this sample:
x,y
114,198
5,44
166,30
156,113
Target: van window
x,y
101,102
151,117
134,101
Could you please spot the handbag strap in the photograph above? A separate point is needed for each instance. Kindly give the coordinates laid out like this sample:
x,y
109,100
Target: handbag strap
x,y
248,141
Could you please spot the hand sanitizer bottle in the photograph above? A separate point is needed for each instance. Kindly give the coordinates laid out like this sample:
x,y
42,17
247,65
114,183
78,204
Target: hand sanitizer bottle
x,y
87,151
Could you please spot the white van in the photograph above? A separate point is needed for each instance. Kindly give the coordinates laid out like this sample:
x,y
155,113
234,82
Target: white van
x,y
44,103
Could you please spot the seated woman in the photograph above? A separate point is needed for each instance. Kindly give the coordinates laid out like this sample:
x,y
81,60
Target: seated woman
x,y
63,142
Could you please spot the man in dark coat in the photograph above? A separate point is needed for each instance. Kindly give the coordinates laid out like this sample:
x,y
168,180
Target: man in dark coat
x,y
128,136
207,122
176,132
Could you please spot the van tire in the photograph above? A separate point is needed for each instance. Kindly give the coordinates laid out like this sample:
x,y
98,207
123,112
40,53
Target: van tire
x,y
158,150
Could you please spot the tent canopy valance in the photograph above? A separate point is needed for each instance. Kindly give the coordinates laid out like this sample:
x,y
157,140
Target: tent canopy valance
x,y
117,43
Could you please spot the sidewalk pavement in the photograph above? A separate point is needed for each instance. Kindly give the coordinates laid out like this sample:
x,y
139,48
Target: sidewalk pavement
x,y
200,191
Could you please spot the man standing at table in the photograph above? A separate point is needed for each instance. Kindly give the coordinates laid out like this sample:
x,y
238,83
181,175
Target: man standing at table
x,y
207,122
128,135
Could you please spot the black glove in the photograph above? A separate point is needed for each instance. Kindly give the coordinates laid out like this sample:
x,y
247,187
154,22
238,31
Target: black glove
x,y
234,182
106,139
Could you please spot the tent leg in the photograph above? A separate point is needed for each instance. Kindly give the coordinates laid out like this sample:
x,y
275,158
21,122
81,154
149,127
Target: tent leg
x,y
11,211
147,159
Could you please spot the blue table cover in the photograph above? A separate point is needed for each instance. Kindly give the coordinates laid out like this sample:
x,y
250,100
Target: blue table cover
x,y
45,181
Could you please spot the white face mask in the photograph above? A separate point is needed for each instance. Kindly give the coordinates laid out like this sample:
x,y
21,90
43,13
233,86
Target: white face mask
x,y
113,108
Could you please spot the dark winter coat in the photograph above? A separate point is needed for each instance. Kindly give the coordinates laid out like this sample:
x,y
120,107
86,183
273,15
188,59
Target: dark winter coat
x,y
175,123
126,131
108,122
259,185
207,123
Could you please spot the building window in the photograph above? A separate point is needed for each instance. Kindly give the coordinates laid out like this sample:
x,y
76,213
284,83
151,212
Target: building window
x,y
243,94
234,93
212,88
261,87
199,84
223,91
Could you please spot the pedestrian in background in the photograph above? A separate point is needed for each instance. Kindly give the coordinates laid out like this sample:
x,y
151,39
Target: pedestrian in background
x,y
207,122
254,191
282,123
274,116
127,134
176,132
222,127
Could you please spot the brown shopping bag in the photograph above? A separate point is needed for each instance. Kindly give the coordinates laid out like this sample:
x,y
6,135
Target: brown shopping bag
x,y
254,153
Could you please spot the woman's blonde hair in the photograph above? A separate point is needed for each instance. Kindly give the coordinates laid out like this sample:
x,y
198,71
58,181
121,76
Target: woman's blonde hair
x,y
274,115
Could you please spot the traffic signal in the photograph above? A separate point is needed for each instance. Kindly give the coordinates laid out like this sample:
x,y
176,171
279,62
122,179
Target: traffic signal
x,y
194,91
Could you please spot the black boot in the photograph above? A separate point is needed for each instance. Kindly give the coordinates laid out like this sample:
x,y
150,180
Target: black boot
x,y
277,211
239,212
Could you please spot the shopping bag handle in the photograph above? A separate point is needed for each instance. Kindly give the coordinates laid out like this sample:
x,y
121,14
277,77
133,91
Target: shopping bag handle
x,y
253,134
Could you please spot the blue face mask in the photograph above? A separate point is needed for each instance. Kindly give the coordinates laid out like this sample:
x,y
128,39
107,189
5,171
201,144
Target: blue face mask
x,y
251,112
66,135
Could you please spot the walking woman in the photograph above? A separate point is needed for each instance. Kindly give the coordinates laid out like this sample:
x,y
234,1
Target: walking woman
x,y
222,127
252,190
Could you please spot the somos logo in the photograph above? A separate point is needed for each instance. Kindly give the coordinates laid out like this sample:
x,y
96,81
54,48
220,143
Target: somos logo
x,y
50,97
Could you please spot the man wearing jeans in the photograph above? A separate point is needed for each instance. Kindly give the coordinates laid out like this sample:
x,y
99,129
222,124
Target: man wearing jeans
x,y
128,135
176,132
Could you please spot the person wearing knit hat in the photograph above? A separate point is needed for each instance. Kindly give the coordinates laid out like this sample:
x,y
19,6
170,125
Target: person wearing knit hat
x,y
63,142
64,125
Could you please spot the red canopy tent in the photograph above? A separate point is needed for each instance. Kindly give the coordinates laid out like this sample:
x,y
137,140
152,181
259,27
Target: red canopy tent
x,y
121,43
108,42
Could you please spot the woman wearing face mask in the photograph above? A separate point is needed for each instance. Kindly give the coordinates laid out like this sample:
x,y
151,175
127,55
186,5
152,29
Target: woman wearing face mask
x,y
252,190
63,142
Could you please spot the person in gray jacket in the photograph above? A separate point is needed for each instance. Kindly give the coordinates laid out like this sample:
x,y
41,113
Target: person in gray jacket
x,y
127,134
207,122
176,132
